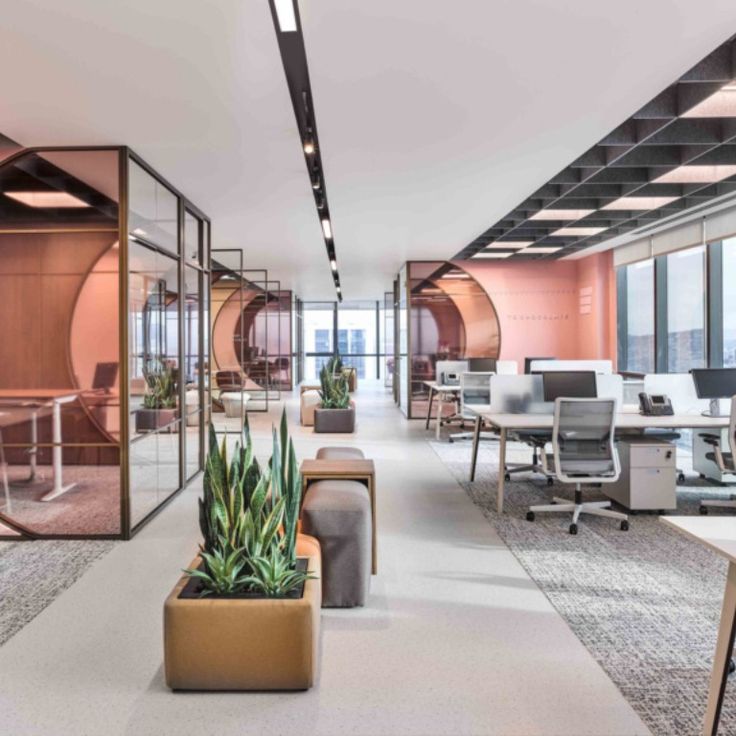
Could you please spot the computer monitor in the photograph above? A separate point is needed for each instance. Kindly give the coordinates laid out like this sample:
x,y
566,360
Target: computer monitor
x,y
482,365
105,376
528,363
714,384
569,385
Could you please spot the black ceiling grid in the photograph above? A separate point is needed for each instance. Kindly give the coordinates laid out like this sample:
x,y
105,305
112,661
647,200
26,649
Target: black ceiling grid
x,y
655,140
294,59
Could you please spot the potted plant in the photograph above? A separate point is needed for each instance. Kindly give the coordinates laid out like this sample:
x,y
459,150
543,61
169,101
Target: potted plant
x,y
245,615
160,397
336,412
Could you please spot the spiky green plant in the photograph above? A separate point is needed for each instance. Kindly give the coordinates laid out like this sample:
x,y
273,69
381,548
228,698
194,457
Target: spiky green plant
x,y
333,388
247,514
160,378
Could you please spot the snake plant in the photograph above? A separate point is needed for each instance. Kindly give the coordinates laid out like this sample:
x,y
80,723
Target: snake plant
x,y
248,517
160,378
334,385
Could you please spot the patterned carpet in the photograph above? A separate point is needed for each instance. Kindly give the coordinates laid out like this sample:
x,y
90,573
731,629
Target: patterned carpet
x,y
33,574
646,603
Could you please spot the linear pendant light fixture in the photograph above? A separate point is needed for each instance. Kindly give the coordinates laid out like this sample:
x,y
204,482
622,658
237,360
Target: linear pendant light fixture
x,y
285,14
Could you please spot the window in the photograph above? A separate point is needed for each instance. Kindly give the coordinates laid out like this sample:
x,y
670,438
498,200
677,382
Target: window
x,y
640,320
686,301
729,303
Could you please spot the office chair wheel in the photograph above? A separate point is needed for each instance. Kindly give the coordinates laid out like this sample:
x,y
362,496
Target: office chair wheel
x,y
702,476
530,516
507,477
550,481
624,526
450,440
704,510
681,477
573,528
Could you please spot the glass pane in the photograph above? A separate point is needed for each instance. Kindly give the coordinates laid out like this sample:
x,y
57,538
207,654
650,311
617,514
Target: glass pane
x,y
153,209
191,372
686,310
192,237
357,338
640,316
729,303
59,373
318,322
154,338
193,443
143,461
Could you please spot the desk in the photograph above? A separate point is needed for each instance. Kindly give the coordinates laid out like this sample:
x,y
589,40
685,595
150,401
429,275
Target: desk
x,y
442,392
361,470
719,535
509,423
40,397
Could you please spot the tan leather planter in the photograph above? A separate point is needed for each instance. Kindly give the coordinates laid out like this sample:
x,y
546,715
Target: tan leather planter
x,y
246,644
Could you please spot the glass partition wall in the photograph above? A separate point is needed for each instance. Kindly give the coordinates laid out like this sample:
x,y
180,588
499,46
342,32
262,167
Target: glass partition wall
x,y
103,386
442,314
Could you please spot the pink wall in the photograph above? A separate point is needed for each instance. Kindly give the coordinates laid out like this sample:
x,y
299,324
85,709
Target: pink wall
x,y
565,309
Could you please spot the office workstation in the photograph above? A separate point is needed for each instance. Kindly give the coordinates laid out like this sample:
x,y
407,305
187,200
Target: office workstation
x,y
368,368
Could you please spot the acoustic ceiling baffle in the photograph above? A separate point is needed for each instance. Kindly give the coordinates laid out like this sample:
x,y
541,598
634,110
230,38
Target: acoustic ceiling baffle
x,y
287,23
676,152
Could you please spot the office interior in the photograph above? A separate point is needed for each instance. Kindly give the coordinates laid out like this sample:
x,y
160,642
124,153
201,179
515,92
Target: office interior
x,y
487,386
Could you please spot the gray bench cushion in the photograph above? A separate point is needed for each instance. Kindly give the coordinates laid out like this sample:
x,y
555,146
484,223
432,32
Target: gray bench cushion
x,y
338,514
339,453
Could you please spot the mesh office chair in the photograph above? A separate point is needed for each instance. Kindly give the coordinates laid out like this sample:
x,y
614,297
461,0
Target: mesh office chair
x,y
726,461
475,389
583,452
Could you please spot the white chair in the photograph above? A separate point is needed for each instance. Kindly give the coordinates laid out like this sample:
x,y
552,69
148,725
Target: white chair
x,y
475,389
726,461
583,451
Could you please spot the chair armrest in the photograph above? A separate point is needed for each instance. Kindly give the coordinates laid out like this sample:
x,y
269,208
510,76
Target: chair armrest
x,y
711,439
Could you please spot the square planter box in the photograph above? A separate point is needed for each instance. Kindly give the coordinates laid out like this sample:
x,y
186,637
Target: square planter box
x,y
150,420
244,643
334,420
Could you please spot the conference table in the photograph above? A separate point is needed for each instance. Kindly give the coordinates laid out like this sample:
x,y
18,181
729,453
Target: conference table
x,y
629,421
35,399
718,533
443,392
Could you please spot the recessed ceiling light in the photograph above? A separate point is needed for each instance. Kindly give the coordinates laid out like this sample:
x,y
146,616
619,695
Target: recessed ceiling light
x,y
518,244
327,229
286,15
721,104
578,232
47,200
638,203
455,275
696,174
309,147
545,249
333,264
560,214
497,254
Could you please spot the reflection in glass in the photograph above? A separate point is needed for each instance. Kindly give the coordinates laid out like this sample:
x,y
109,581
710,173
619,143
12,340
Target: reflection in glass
x,y
640,317
192,238
686,310
153,209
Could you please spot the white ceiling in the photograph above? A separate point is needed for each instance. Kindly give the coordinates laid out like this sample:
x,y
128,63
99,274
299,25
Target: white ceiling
x,y
435,118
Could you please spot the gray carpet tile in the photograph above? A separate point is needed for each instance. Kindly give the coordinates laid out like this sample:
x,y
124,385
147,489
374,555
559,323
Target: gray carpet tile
x,y
33,574
646,602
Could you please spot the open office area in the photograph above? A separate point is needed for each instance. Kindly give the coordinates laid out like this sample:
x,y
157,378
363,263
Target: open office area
x,y
368,368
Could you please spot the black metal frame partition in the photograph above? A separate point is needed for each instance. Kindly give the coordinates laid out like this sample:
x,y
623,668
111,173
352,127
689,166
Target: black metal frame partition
x,y
200,266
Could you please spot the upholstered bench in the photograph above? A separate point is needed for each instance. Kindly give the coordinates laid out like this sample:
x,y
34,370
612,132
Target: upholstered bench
x,y
339,453
338,514
310,400
234,403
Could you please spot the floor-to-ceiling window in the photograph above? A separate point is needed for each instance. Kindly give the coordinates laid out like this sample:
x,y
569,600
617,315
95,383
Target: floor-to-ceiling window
x,y
729,302
639,335
686,310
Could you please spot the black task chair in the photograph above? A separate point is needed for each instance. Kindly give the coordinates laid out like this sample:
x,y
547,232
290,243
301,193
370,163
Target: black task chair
x,y
726,461
583,451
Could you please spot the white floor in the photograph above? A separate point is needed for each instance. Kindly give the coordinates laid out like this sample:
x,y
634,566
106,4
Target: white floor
x,y
457,639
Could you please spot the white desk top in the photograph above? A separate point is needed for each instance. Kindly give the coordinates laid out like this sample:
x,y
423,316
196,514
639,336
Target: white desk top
x,y
624,420
715,532
440,387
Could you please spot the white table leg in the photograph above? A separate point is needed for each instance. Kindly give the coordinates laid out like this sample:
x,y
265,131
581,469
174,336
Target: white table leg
x,y
501,470
32,453
724,649
438,426
56,453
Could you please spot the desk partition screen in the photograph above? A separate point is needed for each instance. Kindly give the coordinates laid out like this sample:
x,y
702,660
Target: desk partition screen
x,y
103,383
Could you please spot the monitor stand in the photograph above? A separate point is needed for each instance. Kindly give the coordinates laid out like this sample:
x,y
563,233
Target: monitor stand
x,y
715,410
